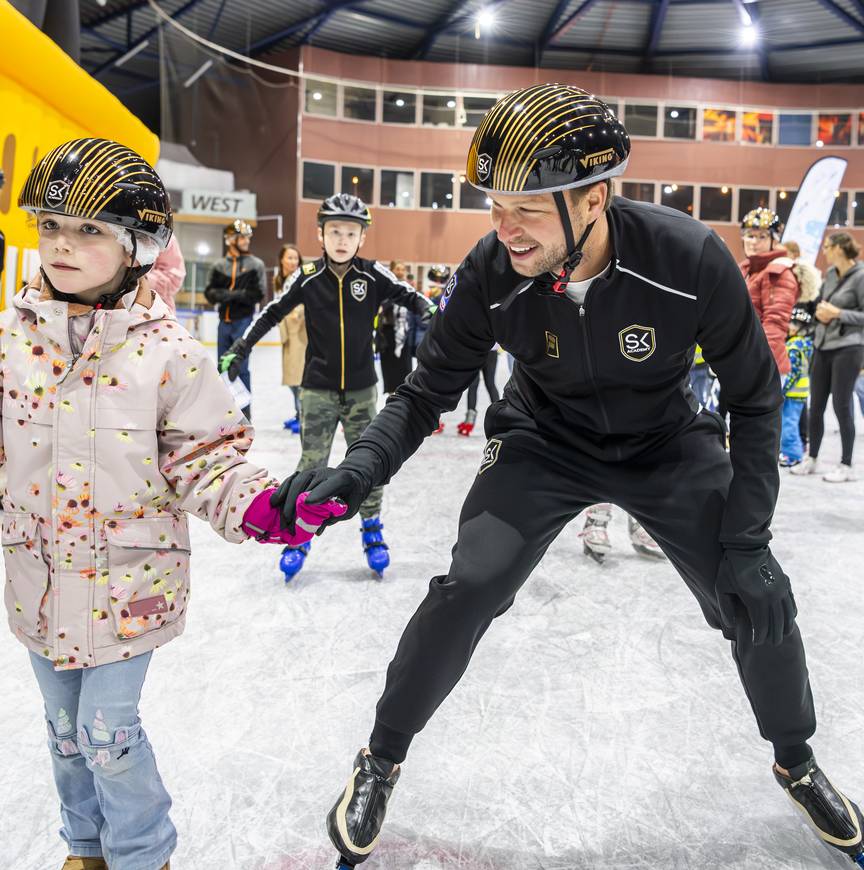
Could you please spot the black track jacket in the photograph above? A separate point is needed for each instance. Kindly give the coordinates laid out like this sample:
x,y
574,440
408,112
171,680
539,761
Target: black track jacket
x,y
340,316
609,378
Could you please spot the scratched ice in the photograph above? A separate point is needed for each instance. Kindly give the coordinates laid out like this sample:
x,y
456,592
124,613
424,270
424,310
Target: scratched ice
x,y
585,734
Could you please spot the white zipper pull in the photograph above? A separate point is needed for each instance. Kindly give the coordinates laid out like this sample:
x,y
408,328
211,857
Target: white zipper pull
x,y
581,310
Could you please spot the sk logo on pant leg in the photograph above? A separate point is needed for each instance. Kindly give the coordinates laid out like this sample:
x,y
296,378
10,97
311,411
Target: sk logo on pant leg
x,y
490,454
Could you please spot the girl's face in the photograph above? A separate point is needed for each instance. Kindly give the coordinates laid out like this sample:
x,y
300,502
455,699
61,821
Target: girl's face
x,y
400,270
290,261
80,257
756,242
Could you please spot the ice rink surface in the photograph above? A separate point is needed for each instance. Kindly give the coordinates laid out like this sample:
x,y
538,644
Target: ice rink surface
x,y
583,735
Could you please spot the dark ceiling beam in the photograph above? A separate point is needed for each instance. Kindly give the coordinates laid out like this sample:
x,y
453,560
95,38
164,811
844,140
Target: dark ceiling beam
x,y
851,20
106,17
447,23
188,6
549,28
571,19
655,31
270,42
216,19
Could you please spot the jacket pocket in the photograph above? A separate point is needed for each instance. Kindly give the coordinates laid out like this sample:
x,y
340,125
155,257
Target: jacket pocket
x,y
148,573
26,592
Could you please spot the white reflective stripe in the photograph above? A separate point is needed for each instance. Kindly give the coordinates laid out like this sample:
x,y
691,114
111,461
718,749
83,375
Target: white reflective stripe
x,y
499,304
313,275
372,277
620,268
307,527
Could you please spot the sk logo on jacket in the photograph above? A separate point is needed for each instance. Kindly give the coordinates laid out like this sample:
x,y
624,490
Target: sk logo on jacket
x,y
637,342
358,289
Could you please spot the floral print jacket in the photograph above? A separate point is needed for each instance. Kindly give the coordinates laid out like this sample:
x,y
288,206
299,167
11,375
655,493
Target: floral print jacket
x,y
109,437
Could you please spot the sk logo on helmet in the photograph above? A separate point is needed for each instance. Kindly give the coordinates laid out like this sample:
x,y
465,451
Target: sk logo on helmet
x,y
56,192
637,342
484,166
490,454
358,289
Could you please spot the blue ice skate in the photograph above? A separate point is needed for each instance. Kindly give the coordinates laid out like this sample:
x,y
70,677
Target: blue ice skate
x,y
292,425
376,550
292,559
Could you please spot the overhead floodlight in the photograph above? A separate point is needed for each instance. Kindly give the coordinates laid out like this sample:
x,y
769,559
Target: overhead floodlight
x,y
484,20
749,35
198,73
132,52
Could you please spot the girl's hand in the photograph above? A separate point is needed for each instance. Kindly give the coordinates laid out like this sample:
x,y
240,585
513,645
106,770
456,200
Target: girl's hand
x,y
826,312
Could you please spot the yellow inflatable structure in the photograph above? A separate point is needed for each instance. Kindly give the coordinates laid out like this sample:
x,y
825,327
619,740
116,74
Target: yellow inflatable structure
x,y
46,99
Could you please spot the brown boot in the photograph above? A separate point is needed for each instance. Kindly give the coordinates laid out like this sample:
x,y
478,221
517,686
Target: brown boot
x,y
73,863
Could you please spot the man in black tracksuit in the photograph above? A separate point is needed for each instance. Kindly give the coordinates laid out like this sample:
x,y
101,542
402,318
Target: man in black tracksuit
x,y
598,409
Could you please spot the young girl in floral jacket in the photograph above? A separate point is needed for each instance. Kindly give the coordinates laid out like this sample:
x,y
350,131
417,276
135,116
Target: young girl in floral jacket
x,y
115,425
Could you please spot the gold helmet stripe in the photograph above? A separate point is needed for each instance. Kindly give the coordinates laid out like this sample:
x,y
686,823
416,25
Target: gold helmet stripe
x,y
519,183
527,144
125,169
90,178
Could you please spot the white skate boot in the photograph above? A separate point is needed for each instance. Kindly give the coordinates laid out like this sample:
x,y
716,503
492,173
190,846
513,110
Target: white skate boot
x,y
642,542
595,534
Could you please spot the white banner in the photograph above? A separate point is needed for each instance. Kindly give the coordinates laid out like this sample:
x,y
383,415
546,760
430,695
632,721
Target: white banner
x,y
218,203
812,208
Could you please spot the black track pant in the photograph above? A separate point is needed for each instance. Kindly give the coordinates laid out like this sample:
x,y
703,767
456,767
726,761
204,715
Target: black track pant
x,y
834,373
526,491
488,371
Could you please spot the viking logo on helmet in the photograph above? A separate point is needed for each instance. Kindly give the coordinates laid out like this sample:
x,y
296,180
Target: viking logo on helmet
x,y
56,192
148,214
596,159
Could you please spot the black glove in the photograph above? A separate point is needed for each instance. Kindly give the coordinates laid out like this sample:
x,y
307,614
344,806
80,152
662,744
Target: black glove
x,y
426,314
232,360
322,484
754,579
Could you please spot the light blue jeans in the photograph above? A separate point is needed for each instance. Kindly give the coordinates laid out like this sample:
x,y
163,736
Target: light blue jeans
x,y
112,800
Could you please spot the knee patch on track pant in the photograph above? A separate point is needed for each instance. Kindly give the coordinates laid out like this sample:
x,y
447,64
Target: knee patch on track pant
x,y
114,758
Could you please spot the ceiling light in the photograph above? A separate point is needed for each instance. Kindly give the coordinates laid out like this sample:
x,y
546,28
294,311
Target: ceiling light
x,y
400,102
820,143
317,95
673,113
198,73
451,104
782,194
202,249
355,179
724,189
749,35
667,189
484,20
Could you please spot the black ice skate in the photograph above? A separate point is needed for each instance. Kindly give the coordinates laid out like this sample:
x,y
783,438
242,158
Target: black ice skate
x,y
836,819
354,823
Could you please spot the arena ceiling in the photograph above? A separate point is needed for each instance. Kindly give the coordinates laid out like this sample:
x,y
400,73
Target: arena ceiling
x,y
796,40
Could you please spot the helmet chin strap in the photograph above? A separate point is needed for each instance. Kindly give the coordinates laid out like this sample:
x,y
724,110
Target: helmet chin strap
x,y
574,248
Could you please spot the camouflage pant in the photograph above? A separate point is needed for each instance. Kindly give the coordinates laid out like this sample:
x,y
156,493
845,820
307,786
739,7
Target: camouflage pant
x,y
321,411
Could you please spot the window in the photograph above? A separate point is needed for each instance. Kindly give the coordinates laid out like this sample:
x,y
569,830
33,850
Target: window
x,y
840,213
397,188
679,123
748,199
757,127
399,108
470,197
785,201
436,190
475,108
640,120
641,191
715,204
318,180
718,125
321,98
795,129
358,103
858,209
861,129
358,181
439,110
835,129
678,196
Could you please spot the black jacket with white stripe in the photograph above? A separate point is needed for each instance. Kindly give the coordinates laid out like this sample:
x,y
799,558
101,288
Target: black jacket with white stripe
x,y
609,377
340,316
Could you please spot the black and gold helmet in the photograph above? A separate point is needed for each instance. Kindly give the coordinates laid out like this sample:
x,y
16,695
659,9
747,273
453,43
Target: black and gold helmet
x,y
97,179
546,138
438,273
763,219
238,227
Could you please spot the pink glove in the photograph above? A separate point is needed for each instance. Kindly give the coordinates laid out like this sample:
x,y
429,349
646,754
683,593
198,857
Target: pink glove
x,y
262,521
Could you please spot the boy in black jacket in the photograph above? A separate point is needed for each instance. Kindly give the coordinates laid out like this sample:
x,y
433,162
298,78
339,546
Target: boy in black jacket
x,y
341,294
236,284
